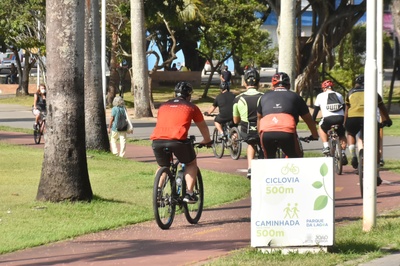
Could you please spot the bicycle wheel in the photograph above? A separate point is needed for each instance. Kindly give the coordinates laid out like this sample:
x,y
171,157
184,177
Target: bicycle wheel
x,y
361,171
37,135
193,211
236,144
218,144
164,204
337,156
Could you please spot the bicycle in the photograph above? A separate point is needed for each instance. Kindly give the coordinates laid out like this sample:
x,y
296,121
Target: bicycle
x,y
360,168
40,129
228,141
335,149
169,191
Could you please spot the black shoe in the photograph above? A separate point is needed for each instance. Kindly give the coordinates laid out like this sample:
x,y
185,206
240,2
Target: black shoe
x,y
344,159
378,181
35,127
249,174
190,198
354,162
381,163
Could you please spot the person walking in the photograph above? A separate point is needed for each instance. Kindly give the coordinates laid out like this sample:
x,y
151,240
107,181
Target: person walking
x,y
226,78
171,131
277,118
13,75
331,104
118,108
245,113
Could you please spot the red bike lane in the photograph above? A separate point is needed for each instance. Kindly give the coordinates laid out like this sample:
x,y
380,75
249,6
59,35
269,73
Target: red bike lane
x,y
221,229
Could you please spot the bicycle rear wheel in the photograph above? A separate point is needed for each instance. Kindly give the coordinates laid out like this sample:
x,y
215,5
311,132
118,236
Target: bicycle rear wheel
x,y
164,204
361,171
218,144
193,211
236,144
337,156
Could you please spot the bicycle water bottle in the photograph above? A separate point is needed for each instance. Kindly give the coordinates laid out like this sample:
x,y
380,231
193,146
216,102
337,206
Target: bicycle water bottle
x,y
179,178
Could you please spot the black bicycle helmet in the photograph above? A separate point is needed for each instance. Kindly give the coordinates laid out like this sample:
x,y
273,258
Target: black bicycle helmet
x,y
183,89
360,79
280,78
251,77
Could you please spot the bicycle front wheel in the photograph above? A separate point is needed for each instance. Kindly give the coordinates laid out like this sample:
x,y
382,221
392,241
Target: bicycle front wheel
x,y
236,144
361,171
218,144
337,155
193,211
37,136
164,204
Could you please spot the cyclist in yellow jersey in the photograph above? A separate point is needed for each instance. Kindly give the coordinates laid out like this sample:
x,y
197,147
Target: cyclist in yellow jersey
x,y
354,116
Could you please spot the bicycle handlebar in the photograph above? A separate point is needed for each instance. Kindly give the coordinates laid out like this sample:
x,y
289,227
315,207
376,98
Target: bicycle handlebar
x,y
386,123
202,145
307,139
208,114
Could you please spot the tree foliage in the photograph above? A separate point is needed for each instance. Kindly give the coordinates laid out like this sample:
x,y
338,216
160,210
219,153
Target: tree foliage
x,y
19,30
232,29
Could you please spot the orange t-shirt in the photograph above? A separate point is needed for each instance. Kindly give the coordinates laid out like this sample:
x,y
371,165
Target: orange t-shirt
x,y
174,119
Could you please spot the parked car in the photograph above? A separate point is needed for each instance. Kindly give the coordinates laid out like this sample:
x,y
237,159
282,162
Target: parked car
x,y
207,66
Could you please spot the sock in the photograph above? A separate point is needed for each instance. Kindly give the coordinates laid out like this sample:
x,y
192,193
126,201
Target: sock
x,y
325,144
352,150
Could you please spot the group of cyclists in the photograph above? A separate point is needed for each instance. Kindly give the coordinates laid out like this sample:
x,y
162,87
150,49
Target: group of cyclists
x,y
270,117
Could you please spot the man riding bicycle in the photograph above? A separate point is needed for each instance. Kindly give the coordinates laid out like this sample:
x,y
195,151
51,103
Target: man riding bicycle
x,y
277,118
354,118
173,122
331,104
245,113
224,102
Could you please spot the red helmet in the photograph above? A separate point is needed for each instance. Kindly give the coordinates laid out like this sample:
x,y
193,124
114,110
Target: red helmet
x,y
327,84
280,78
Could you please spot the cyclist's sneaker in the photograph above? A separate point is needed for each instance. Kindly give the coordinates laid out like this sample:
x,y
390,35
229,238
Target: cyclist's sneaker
x,y
249,174
326,151
354,162
381,163
344,159
378,181
190,198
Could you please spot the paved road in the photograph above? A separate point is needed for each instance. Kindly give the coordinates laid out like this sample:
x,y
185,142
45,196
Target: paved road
x,y
221,229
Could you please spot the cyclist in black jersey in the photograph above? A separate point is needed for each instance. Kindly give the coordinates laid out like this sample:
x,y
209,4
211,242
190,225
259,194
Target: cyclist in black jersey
x,y
278,114
245,112
224,102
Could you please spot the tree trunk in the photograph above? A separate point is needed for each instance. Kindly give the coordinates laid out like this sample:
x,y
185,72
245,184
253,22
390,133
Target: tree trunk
x,y
139,78
95,117
114,76
64,174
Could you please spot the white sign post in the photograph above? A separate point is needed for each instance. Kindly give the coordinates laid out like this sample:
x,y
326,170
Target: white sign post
x,y
292,204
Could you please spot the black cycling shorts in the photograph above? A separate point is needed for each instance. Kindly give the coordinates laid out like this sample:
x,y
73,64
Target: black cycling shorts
x,y
329,121
354,125
222,120
288,142
183,150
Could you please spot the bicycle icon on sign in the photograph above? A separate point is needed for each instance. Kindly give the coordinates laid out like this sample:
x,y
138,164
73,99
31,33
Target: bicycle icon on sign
x,y
290,168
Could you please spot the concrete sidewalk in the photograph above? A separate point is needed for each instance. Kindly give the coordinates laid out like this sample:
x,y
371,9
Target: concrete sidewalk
x,y
220,230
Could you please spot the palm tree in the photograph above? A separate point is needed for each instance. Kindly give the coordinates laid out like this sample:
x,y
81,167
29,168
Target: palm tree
x,y
64,171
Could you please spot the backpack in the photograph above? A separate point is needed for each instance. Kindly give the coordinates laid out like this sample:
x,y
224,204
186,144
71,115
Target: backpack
x,y
122,123
333,104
